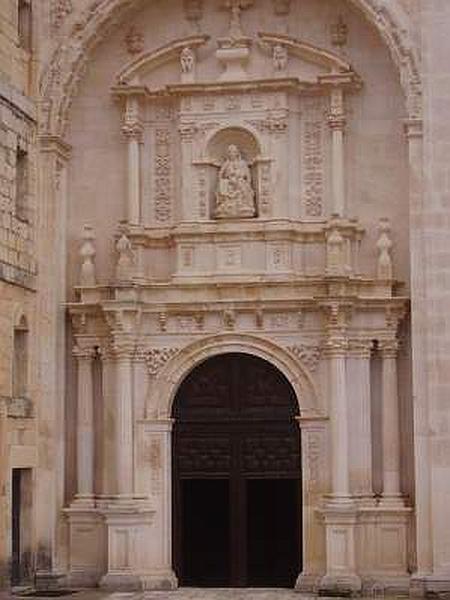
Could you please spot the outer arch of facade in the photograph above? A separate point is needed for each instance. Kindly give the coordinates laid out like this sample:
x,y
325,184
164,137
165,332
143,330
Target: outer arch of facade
x,y
59,82
170,377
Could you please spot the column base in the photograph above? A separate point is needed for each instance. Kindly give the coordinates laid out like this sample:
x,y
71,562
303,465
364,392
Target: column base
x,y
49,581
382,586
308,583
130,582
344,584
422,586
392,502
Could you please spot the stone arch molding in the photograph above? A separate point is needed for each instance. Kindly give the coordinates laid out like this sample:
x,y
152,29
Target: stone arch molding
x,y
59,82
175,370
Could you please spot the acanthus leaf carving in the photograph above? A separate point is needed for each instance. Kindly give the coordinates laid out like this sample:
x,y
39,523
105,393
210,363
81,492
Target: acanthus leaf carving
x,y
59,10
157,358
309,355
163,175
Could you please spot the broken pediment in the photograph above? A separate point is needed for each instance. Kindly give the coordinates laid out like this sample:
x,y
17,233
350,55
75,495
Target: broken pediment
x,y
202,61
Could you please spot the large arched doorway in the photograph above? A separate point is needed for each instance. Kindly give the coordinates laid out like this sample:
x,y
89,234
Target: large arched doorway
x,y
236,476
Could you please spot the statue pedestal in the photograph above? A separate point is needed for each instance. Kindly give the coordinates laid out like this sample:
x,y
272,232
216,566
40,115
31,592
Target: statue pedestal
x,y
234,55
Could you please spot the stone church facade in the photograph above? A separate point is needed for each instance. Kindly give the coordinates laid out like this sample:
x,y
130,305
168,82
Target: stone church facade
x,y
223,293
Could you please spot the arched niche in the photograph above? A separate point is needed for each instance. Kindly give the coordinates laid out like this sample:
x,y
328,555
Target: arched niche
x,y
250,148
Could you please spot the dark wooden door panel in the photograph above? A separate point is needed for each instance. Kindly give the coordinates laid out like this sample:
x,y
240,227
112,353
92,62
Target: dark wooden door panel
x,y
234,427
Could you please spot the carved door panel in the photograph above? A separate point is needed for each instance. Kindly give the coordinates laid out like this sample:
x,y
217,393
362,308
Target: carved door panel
x,y
235,435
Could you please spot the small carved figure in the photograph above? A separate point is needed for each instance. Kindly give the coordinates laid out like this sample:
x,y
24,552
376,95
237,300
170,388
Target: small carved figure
x,y
384,245
134,41
339,33
280,57
125,262
87,254
187,60
235,197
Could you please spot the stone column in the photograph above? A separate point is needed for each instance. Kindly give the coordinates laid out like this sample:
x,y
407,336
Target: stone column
x,y
360,426
337,122
336,352
340,512
124,419
390,423
85,425
132,130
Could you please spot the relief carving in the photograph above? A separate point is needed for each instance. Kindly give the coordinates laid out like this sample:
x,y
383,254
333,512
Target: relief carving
x,y
134,41
235,197
156,358
163,176
307,355
60,9
313,167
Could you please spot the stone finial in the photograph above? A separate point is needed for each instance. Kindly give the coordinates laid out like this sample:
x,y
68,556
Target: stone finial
x,y
187,60
87,254
280,58
384,246
125,262
335,251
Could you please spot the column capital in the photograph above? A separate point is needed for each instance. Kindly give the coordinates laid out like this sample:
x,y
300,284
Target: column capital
x,y
84,353
360,348
124,349
133,131
389,348
413,128
336,347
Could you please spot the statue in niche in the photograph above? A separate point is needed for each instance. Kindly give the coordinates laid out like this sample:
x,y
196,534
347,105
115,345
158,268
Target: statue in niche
x,y
235,197
187,60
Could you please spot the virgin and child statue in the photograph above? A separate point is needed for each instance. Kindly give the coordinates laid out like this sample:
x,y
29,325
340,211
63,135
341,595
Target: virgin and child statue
x,y
235,197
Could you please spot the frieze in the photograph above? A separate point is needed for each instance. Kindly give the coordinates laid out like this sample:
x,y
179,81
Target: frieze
x,y
157,358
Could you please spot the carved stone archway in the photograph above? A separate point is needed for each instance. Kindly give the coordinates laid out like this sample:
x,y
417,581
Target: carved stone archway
x,y
168,379
60,80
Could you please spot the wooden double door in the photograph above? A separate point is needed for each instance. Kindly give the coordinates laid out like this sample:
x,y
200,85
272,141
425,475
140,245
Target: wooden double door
x,y
236,469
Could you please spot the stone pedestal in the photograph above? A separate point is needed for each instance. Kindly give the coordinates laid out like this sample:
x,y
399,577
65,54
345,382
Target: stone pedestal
x,y
341,530
128,528
87,546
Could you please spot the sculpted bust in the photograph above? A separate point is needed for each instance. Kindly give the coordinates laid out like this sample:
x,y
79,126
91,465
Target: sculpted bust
x,y
235,197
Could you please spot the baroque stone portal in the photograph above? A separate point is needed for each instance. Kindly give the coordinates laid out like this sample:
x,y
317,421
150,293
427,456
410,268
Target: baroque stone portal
x,y
235,197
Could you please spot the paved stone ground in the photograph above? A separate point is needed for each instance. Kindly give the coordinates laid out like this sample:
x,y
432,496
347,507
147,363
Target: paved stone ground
x,y
187,594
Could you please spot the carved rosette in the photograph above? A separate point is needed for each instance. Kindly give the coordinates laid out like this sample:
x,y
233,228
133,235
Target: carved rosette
x,y
157,358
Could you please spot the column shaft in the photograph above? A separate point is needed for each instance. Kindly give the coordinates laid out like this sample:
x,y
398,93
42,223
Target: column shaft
x,y
124,426
391,426
134,184
85,427
339,426
337,123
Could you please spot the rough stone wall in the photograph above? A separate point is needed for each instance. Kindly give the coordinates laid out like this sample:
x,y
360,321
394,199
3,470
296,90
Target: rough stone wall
x,y
18,266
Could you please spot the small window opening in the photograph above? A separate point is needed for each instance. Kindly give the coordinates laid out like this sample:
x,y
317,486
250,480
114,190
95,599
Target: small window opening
x,y
22,174
20,361
24,24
